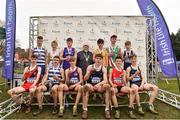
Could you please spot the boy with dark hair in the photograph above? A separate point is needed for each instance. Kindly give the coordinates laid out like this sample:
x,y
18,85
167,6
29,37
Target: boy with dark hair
x,y
117,80
102,51
96,77
113,51
67,53
41,52
53,78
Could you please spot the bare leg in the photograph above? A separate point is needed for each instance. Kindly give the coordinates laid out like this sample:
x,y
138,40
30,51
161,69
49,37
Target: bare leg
x,y
78,96
114,98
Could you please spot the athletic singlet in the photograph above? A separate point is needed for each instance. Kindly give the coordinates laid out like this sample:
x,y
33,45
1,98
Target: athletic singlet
x,y
136,79
103,53
116,77
74,77
54,71
115,50
66,53
127,55
96,77
40,52
30,76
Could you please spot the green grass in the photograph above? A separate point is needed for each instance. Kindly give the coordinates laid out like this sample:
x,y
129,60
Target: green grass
x,y
3,89
171,86
167,112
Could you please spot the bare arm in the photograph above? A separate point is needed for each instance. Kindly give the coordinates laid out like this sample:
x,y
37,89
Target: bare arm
x,y
61,55
105,81
67,76
38,76
88,73
25,70
128,74
46,76
62,75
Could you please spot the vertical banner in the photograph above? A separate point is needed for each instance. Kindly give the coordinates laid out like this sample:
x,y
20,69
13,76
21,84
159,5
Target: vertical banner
x,y
163,41
10,39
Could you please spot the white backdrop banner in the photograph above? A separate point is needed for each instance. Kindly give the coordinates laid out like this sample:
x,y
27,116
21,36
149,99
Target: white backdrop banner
x,y
90,28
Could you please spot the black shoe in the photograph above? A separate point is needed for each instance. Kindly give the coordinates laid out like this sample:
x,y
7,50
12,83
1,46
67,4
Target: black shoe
x,y
39,111
55,110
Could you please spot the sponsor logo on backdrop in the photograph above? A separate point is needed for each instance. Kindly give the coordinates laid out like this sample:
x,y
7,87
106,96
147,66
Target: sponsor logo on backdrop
x,y
127,23
56,31
92,31
139,33
79,24
56,24
80,41
116,23
104,31
68,23
44,32
116,31
127,32
79,31
68,32
104,23
91,23
91,39
139,24
138,40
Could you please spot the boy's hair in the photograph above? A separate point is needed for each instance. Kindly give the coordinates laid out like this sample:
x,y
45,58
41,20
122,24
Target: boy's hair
x,y
34,56
118,57
40,37
72,59
100,41
56,57
114,36
98,55
127,43
133,55
54,41
69,40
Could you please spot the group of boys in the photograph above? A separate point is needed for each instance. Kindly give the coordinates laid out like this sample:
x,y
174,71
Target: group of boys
x,y
84,72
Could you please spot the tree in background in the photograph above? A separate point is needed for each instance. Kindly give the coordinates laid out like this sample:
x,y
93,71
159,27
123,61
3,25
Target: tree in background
x,y
176,44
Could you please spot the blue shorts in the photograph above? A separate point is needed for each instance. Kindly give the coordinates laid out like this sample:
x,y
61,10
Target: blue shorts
x,y
43,67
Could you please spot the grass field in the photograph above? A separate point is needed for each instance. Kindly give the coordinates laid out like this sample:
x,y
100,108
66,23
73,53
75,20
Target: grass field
x,y
167,112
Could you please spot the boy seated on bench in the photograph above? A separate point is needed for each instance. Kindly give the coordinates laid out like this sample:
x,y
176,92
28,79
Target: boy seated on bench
x,y
96,77
31,77
117,80
137,82
74,79
53,78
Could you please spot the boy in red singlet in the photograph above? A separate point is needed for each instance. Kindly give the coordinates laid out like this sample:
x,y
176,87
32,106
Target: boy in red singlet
x,y
117,80
30,78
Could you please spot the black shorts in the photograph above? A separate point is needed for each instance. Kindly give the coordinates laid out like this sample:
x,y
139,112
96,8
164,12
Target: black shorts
x,y
49,87
126,65
136,83
119,88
